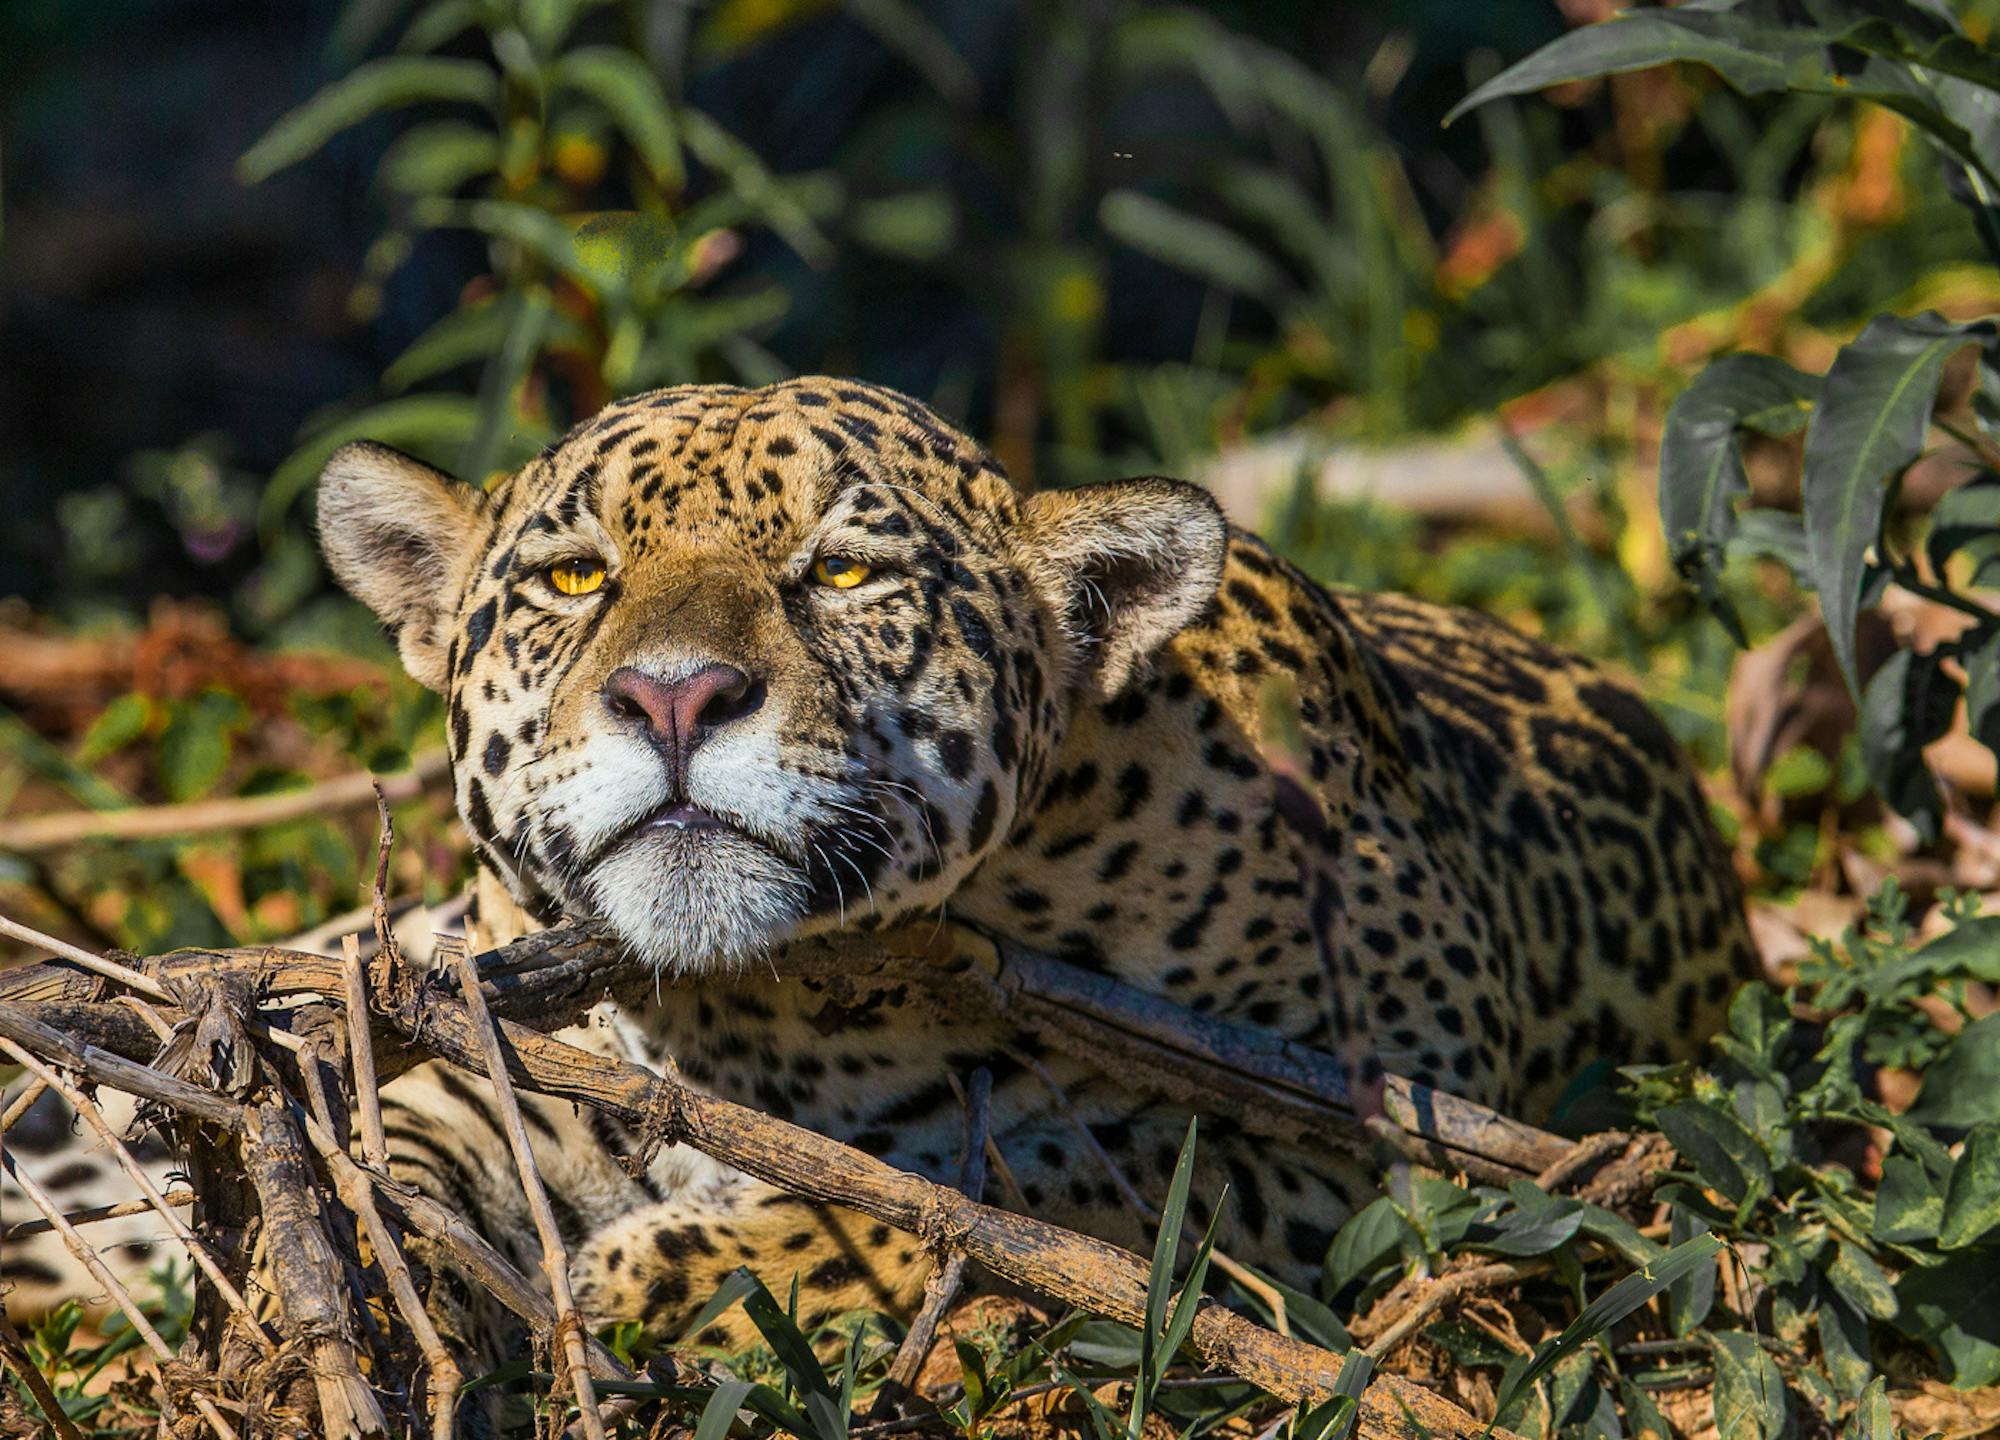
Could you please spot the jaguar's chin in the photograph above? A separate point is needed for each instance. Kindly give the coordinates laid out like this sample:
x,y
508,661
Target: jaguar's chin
x,y
691,897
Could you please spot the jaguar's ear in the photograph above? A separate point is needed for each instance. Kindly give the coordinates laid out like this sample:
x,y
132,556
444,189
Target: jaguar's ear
x,y
1129,564
397,535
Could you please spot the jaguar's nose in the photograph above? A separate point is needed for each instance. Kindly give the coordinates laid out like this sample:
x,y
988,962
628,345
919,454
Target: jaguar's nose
x,y
677,715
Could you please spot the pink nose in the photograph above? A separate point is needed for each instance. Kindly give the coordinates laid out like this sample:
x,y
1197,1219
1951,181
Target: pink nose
x,y
679,714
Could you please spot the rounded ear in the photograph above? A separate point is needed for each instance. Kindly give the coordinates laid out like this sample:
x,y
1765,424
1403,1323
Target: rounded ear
x,y
1132,562
396,534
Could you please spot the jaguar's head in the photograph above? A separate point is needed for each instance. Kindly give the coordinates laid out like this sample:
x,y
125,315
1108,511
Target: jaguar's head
x,y
728,666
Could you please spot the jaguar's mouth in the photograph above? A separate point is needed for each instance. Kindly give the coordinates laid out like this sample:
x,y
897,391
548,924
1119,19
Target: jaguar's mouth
x,y
688,832
683,815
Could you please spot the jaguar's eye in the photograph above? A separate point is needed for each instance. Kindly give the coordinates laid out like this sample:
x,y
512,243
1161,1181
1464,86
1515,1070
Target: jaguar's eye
x,y
576,577
840,572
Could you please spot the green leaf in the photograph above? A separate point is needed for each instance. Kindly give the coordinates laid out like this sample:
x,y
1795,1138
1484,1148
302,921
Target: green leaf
x,y
1611,1307
627,87
1909,1205
775,1323
1753,57
195,747
1750,1399
1972,1201
437,157
1965,518
528,313
1642,1416
1861,1282
735,1285
1689,1298
1960,1085
1873,1419
1153,1360
1969,950
430,425
1335,1418
1180,1323
1843,1344
1873,414
777,204
116,726
469,333
1725,1155
1773,535
1701,466
1538,1224
1955,1310
1371,1236
1187,242
1982,692
1308,1316
384,84
720,1411
1907,706
917,225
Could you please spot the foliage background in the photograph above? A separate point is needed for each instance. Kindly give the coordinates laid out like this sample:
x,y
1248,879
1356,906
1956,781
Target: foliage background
x,y
1230,241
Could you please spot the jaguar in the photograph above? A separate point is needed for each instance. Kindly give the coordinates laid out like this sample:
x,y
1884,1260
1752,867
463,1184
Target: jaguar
x,y
729,668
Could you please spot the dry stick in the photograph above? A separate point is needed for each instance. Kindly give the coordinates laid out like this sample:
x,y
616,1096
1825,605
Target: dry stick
x,y
305,1271
358,1195
105,1068
35,833
1587,1152
120,1296
177,1197
1241,1274
110,969
389,952
555,1259
197,1250
1069,999
407,1209
1019,1249
1447,1287
361,1046
16,1351
21,1106
947,1270
1276,1088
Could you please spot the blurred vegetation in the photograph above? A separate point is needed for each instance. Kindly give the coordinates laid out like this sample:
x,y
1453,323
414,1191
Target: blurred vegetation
x,y
1226,241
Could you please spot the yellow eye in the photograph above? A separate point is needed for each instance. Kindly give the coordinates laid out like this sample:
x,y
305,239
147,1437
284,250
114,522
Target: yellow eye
x,y
576,577
840,572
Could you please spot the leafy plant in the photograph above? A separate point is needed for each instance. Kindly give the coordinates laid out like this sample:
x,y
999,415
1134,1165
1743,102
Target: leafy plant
x,y
1868,419
608,207
75,1357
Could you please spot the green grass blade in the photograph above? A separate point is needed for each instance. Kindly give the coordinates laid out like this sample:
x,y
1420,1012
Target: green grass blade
x,y
1611,1307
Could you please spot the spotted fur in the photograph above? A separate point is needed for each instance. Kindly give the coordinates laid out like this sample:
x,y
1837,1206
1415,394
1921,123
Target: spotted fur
x,y
1040,717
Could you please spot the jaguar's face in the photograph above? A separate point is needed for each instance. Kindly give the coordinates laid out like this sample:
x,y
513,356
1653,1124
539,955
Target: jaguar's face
x,y
726,666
